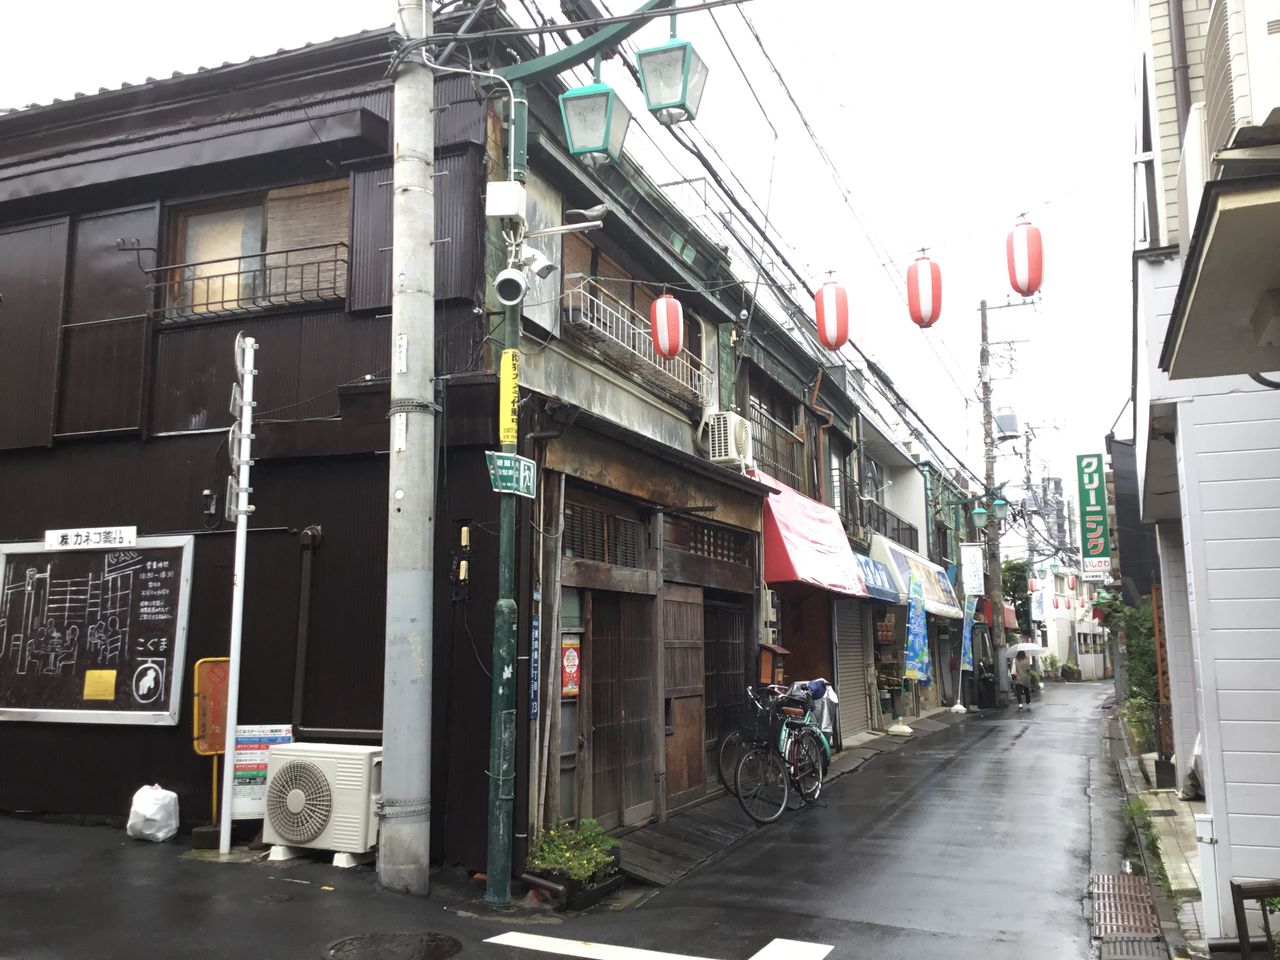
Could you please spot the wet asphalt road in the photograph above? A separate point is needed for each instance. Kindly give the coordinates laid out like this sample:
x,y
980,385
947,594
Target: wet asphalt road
x,y
974,842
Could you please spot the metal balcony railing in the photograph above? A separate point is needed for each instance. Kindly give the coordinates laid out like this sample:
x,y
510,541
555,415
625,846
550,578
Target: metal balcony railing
x,y
619,334
883,520
848,504
776,446
213,288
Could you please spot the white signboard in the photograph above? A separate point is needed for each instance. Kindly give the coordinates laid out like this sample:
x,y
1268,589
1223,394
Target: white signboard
x,y
972,567
1096,576
90,538
249,786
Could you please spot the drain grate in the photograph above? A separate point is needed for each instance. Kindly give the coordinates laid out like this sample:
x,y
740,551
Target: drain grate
x,y
1130,949
1122,908
1161,813
394,946
1119,883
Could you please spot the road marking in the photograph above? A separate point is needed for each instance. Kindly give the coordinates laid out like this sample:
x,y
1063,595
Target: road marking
x,y
774,950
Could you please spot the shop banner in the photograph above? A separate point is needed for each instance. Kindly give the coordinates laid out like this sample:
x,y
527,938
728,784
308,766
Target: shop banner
x,y
966,648
1095,535
916,666
1037,605
971,569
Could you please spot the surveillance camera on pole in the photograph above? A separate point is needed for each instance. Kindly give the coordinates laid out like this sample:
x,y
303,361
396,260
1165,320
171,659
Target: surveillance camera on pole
x,y
510,285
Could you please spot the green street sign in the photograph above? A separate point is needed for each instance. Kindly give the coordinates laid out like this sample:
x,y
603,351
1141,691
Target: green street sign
x,y
512,473
1095,535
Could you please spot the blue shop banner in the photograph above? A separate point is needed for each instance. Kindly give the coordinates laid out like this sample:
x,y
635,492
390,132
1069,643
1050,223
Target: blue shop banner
x,y
966,649
917,665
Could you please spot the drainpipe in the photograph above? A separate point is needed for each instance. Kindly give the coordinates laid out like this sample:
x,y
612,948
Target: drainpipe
x,y
825,458
1181,72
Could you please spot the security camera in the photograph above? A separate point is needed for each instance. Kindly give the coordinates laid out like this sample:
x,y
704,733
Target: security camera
x,y
538,264
510,286
743,315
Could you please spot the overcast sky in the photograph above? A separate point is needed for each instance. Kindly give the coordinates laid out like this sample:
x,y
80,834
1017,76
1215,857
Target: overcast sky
x,y
946,120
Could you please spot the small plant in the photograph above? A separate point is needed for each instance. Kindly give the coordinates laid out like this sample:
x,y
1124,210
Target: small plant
x,y
583,853
1051,664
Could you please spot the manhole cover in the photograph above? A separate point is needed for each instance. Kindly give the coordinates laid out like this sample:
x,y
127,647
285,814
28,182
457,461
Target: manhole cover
x,y
394,946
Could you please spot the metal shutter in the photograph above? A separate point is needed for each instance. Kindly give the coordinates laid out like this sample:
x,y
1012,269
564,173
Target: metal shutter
x,y
851,668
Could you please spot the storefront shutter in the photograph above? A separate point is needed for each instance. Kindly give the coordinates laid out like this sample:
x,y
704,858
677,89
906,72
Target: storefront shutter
x,y
851,667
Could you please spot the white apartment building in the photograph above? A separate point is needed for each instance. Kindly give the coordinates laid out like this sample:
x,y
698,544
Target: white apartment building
x,y
1207,415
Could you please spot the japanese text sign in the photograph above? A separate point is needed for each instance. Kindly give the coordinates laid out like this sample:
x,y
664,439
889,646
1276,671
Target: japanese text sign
x,y
90,538
509,397
1095,535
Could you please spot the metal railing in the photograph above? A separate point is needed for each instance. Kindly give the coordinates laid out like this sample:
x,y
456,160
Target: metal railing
x,y
623,335
849,506
212,288
883,520
776,446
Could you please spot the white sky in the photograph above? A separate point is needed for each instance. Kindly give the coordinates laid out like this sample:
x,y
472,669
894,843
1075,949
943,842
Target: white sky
x,y
945,119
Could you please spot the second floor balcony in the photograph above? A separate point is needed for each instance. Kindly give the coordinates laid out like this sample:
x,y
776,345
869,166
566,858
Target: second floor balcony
x,y
598,320
884,521
230,287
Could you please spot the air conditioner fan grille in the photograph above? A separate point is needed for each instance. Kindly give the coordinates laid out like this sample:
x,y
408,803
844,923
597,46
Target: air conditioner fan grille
x,y
299,801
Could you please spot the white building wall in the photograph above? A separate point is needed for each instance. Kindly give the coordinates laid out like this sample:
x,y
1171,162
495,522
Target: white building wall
x,y
1177,631
1229,465
906,499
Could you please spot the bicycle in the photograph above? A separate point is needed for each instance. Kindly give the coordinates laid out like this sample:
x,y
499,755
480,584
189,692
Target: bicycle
x,y
736,742
787,752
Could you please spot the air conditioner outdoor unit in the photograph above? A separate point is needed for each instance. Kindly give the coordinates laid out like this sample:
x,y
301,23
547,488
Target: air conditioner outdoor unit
x,y
729,440
322,796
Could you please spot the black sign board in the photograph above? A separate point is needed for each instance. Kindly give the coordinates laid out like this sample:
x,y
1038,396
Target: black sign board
x,y
94,636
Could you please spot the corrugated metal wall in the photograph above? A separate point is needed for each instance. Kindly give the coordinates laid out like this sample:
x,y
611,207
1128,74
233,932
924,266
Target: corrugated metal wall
x,y
33,265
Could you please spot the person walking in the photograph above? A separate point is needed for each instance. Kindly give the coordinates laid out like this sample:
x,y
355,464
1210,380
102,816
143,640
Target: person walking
x,y
1022,678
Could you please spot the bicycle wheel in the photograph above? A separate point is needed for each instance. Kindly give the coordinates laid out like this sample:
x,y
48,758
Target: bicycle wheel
x,y
761,779
806,766
729,753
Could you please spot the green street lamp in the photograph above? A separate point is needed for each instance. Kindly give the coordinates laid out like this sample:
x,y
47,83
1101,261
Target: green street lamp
x,y
595,121
999,509
672,77
979,515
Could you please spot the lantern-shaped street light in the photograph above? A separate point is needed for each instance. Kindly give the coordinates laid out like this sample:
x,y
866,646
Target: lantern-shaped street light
x,y
979,517
595,121
672,77
999,509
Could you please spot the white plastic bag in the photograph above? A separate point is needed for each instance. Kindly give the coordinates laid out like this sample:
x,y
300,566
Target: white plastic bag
x,y
154,814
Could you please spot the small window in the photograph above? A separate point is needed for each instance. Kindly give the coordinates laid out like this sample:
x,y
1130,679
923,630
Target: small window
x,y
217,252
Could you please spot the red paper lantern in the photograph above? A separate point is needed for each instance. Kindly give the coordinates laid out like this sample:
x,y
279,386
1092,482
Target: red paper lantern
x,y
832,308
666,324
1031,586
1026,258
1071,582
1055,603
924,292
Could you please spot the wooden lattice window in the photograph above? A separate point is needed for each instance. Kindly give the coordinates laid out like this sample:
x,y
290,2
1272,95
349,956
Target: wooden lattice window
x,y
591,533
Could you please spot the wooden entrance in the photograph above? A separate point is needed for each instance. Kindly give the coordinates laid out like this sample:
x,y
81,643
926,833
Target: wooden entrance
x,y
683,693
618,682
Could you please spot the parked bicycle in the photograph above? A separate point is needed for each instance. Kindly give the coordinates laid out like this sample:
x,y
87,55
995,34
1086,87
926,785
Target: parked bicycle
x,y
788,752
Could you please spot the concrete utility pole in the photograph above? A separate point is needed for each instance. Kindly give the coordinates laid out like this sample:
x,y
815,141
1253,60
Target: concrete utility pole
x,y
1026,468
404,844
995,586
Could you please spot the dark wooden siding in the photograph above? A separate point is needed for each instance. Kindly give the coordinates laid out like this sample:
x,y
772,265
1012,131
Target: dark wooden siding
x,y
459,111
105,335
157,487
33,267
302,360
370,239
459,225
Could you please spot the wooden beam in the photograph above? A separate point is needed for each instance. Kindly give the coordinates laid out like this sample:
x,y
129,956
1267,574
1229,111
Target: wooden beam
x,y
590,575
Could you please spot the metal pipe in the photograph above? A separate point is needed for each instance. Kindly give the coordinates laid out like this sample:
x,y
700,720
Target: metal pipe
x,y
1181,72
310,539
543,884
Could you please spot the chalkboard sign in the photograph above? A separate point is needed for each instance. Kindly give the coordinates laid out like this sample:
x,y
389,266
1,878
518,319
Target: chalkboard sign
x,y
94,636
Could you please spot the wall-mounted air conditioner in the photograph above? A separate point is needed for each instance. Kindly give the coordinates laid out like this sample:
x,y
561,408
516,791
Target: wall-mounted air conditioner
x,y
322,796
729,440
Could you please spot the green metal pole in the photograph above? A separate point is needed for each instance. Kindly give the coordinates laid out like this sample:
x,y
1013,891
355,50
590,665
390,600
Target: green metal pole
x,y
502,707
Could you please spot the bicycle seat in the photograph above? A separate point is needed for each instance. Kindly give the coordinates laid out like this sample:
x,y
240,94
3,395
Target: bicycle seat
x,y
793,711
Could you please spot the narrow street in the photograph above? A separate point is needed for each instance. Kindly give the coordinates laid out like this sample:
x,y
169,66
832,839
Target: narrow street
x,y
974,842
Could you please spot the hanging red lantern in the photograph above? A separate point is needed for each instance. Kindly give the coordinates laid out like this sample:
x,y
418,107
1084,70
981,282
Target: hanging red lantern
x,y
924,292
832,308
1026,258
1071,582
1031,586
1055,603
666,324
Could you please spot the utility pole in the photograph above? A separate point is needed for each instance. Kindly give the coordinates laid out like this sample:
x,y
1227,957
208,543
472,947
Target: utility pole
x,y
404,842
1026,467
995,586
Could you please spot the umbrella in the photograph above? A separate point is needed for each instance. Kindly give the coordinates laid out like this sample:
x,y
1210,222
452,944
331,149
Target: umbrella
x,y
1032,649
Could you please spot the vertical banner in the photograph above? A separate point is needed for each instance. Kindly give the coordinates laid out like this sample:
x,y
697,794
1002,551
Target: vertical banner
x,y
966,646
570,667
972,567
1095,534
535,654
916,666
509,398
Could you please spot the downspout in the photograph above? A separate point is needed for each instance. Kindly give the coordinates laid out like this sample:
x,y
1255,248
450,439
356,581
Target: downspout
x,y
1181,72
823,453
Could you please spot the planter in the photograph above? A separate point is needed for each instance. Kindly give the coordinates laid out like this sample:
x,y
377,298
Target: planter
x,y
573,894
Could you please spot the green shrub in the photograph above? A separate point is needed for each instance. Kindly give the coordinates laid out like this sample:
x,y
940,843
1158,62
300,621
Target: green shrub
x,y
1051,664
583,853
